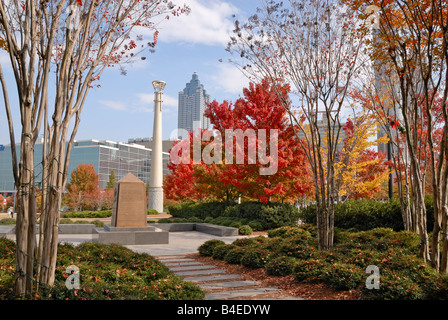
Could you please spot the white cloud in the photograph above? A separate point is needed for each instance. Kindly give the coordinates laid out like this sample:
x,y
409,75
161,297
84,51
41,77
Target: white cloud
x,y
147,99
209,22
229,79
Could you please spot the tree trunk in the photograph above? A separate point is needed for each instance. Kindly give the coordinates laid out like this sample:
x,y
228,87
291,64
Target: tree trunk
x,y
25,230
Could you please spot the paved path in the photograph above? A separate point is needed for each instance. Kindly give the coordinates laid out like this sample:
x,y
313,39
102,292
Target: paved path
x,y
217,283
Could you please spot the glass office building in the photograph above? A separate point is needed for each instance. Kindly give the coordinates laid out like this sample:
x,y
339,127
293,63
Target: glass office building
x,y
192,103
122,158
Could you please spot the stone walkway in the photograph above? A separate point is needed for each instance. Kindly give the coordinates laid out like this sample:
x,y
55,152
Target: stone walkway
x,y
217,284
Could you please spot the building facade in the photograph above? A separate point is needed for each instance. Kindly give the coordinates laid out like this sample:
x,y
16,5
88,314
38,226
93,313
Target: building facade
x,y
192,103
122,158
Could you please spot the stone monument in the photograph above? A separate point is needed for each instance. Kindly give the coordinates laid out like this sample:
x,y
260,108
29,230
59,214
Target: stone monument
x,y
128,225
129,207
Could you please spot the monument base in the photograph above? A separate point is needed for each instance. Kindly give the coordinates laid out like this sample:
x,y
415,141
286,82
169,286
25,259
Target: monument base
x,y
155,199
132,235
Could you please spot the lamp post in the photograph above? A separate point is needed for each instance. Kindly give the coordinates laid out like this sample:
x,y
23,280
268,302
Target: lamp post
x,y
155,193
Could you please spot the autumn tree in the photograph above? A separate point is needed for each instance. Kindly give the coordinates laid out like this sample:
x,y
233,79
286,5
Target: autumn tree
x,y
361,169
260,109
315,47
84,182
240,133
410,45
59,49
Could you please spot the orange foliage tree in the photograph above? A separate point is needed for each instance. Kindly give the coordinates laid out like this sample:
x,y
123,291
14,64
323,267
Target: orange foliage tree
x,y
410,47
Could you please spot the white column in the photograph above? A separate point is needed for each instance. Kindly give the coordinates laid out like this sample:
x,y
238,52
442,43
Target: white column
x,y
155,193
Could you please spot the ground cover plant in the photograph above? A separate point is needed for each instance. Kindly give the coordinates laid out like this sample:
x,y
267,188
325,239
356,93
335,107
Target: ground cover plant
x,y
293,251
106,272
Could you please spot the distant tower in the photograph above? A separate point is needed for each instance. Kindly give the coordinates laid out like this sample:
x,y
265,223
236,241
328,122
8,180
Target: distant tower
x,y
192,104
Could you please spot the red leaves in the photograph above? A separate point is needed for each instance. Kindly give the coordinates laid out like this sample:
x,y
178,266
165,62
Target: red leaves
x,y
259,110
79,2
156,35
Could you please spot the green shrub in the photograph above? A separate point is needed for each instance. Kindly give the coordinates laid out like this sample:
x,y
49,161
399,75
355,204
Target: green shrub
x,y
198,209
280,266
260,216
245,230
342,276
98,223
220,251
66,221
237,224
206,249
234,255
254,258
364,214
311,270
298,251
8,221
394,286
256,225
152,212
88,214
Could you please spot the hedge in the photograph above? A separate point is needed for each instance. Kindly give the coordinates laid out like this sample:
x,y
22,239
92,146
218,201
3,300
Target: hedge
x,y
367,214
98,214
259,216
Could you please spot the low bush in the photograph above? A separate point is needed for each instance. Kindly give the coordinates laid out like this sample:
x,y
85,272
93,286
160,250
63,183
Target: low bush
x,y
343,276
220,251
255,225
280,266
88,214
7,221
107,272
254,258
367,214
234,255
98,214
259,216
245,230
206,249
152,212
311,270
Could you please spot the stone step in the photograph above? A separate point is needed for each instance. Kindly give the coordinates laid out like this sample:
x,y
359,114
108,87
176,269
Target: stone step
x,y
209,278
198,272
228,284
191,268
178,264
240,293
219,284
173,260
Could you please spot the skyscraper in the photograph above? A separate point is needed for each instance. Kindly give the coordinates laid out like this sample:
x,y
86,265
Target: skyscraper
x,y
192,103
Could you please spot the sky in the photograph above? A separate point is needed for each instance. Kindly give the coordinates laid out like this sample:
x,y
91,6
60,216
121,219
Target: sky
x,y
122,108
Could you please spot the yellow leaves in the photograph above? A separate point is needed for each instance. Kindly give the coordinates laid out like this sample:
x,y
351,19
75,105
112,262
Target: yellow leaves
x,y
3,44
